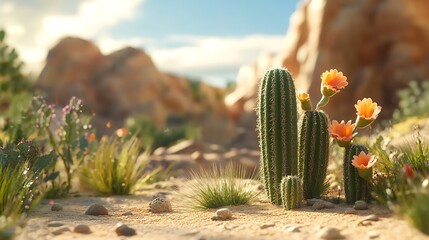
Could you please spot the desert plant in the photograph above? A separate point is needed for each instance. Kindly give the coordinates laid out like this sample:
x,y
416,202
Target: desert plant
x,y
116,167
291,191
355,187
313,152
277,118
218,186
413,101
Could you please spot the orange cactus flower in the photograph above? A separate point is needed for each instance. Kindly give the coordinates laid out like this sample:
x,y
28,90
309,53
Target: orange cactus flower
x,y
408,170
304,99
332,82
121,132
367,111
91,138
342,132
363,160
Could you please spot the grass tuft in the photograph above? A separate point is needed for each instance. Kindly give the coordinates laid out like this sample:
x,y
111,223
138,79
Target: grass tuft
x,y
117,168
217,187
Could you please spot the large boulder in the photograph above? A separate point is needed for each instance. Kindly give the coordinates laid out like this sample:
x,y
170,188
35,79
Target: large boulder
x,y
127,83
379,45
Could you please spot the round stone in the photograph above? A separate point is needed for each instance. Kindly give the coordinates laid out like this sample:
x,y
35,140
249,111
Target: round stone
x,y
329,233
350,211
360,205
82,228
123,230
224,213
160,205
96,210
318,205
56,207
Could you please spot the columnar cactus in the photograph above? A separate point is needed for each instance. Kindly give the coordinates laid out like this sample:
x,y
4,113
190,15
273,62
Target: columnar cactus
x,y
313,152
355,187
291,192
277,118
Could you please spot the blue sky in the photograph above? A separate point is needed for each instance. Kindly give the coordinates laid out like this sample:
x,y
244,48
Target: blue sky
x,y
208,39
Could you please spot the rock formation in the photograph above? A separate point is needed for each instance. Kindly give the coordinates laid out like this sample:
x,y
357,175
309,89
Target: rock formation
x,y
379,45
127,83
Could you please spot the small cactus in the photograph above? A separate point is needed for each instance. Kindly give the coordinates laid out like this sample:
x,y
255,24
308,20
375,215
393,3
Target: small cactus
x,y
277,118
313,152
355,187
291,192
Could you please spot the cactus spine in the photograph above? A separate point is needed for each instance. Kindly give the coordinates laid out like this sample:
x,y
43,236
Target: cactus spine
x,y
277,118
313,152
291,192
355,187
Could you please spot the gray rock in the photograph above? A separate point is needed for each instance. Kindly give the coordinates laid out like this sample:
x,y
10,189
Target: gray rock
x,y
264,226
318,205
96,210
82,228
329,233
56,207
312,201
373,234
128,213
224,213
160,205
350,211
55,224
292,228
360,205
328,204
371,217
123,230
60,230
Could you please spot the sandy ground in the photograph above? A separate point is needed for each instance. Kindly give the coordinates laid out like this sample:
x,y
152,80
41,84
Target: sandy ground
x,y
259,220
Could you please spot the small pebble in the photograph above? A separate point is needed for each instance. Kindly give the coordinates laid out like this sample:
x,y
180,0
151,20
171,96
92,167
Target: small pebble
x,y
264,226
127,213
60,230
328,204
329,233
160,205
312,201
371,217
55,224
373,234
350,211
96,210
360,205
123,230
318,205
292,229
82,228
56,207
224,213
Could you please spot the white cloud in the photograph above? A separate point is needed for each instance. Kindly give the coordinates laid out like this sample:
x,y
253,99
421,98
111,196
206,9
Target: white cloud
x,y
212,53
36,26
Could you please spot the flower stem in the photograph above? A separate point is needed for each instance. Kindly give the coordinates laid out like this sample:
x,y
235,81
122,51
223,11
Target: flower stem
x,y
323,101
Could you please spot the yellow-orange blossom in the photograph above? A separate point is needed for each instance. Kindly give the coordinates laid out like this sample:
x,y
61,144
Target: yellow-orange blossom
x,y
342,131
363,161
332,82
367,109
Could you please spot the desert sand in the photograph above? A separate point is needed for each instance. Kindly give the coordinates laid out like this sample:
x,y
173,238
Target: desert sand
x,y
258,220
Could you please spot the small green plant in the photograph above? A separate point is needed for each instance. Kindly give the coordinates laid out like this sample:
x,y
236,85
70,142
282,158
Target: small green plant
x,y
278,133
116,167
413,101
217,187
292,192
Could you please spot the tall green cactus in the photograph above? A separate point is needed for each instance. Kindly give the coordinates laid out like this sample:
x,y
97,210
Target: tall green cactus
x,y
291,192
313,152
277,118
355,187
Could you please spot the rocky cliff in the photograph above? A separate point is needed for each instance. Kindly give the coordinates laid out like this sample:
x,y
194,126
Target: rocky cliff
x,y
379,45
127,83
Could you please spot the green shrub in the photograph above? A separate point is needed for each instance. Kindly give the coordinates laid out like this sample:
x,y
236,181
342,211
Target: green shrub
x,y
150,135
217,187
413,101
116,167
